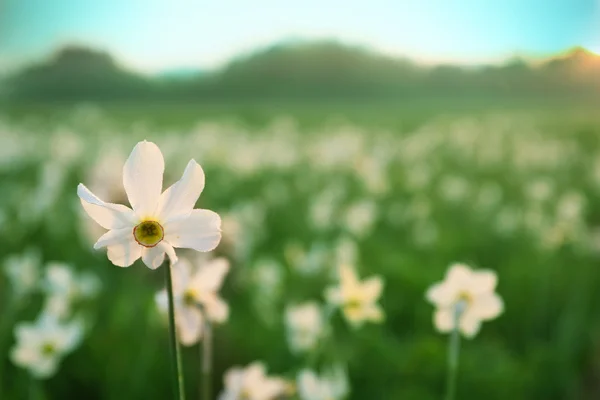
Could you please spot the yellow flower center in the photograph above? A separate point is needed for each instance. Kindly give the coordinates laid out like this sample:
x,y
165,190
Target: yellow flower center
x,y
148,233
352,305
189,297
48,349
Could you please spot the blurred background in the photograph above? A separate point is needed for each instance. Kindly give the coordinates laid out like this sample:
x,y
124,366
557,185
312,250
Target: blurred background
x,y
396,136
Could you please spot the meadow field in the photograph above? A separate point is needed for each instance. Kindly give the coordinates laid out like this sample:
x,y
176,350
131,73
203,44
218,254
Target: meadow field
x,y
399,191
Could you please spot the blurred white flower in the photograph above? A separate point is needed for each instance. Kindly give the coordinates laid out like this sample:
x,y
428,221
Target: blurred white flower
x,y
467,297
252,383
41,345
454,188
64,287
158,222
360,217
304,324
346,251
357,299
195,292
331,385
23,271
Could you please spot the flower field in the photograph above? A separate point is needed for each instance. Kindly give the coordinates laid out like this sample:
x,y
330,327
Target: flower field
x,y
336,273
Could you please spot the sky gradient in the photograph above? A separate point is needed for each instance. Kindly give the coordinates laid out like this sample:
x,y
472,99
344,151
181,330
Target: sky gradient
x,y
156,35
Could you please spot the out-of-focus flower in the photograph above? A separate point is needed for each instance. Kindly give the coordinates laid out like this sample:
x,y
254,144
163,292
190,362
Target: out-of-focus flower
x,y
304,325
360,217
64,287
267,278
331,385
195,290
23,271
357,299
41,345
465,297
252,383
158,222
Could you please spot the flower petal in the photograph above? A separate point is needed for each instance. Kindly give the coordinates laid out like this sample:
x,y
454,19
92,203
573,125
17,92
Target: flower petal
x,y
153,257
216,309
181,272
107,215
189,325
488,306
124,254
200,231
210,275
443,319
142,178
114,236
469,324
442,294
179,199
483,281
371,288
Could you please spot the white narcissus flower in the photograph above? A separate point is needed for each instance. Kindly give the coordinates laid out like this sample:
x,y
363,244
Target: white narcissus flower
x,y
332,385
195,292
467,297
23,271
304,325
357,299
252,383
41,345
64,287
158,222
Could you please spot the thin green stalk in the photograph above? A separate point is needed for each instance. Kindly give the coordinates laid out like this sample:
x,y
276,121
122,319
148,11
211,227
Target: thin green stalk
x,y
207,360
175,352
453,357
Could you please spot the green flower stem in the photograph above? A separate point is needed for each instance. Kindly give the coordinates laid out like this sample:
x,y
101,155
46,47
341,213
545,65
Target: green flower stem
x,y
207,360
175,351
453,358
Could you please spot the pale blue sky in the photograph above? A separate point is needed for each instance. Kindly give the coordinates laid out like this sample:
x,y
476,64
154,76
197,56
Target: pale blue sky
x,y
154,35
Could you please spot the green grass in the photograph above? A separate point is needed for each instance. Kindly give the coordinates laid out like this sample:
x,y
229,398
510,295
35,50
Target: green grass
x,y
545,345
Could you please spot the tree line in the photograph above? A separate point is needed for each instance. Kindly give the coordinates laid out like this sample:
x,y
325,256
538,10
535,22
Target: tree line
x,y
309,70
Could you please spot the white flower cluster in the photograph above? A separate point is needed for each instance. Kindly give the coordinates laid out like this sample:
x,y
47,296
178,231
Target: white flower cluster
x,y
57,331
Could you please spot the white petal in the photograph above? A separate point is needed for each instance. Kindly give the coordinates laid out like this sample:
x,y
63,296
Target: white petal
x,y
443,319
200,231
114,236
179,199
162,301
216,309
374,313
153,257
181,274
189,325
483,281
45,367
210,275
459,275
469,324
142,178
488,306
124,254
371,288
107,215
441,294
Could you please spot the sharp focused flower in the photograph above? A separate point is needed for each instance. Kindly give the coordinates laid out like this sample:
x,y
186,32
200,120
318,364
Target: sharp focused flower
x,y
252,383
304,325
64,287
23,271
332,385
465,297
158,223
357,299
41,345
195,291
